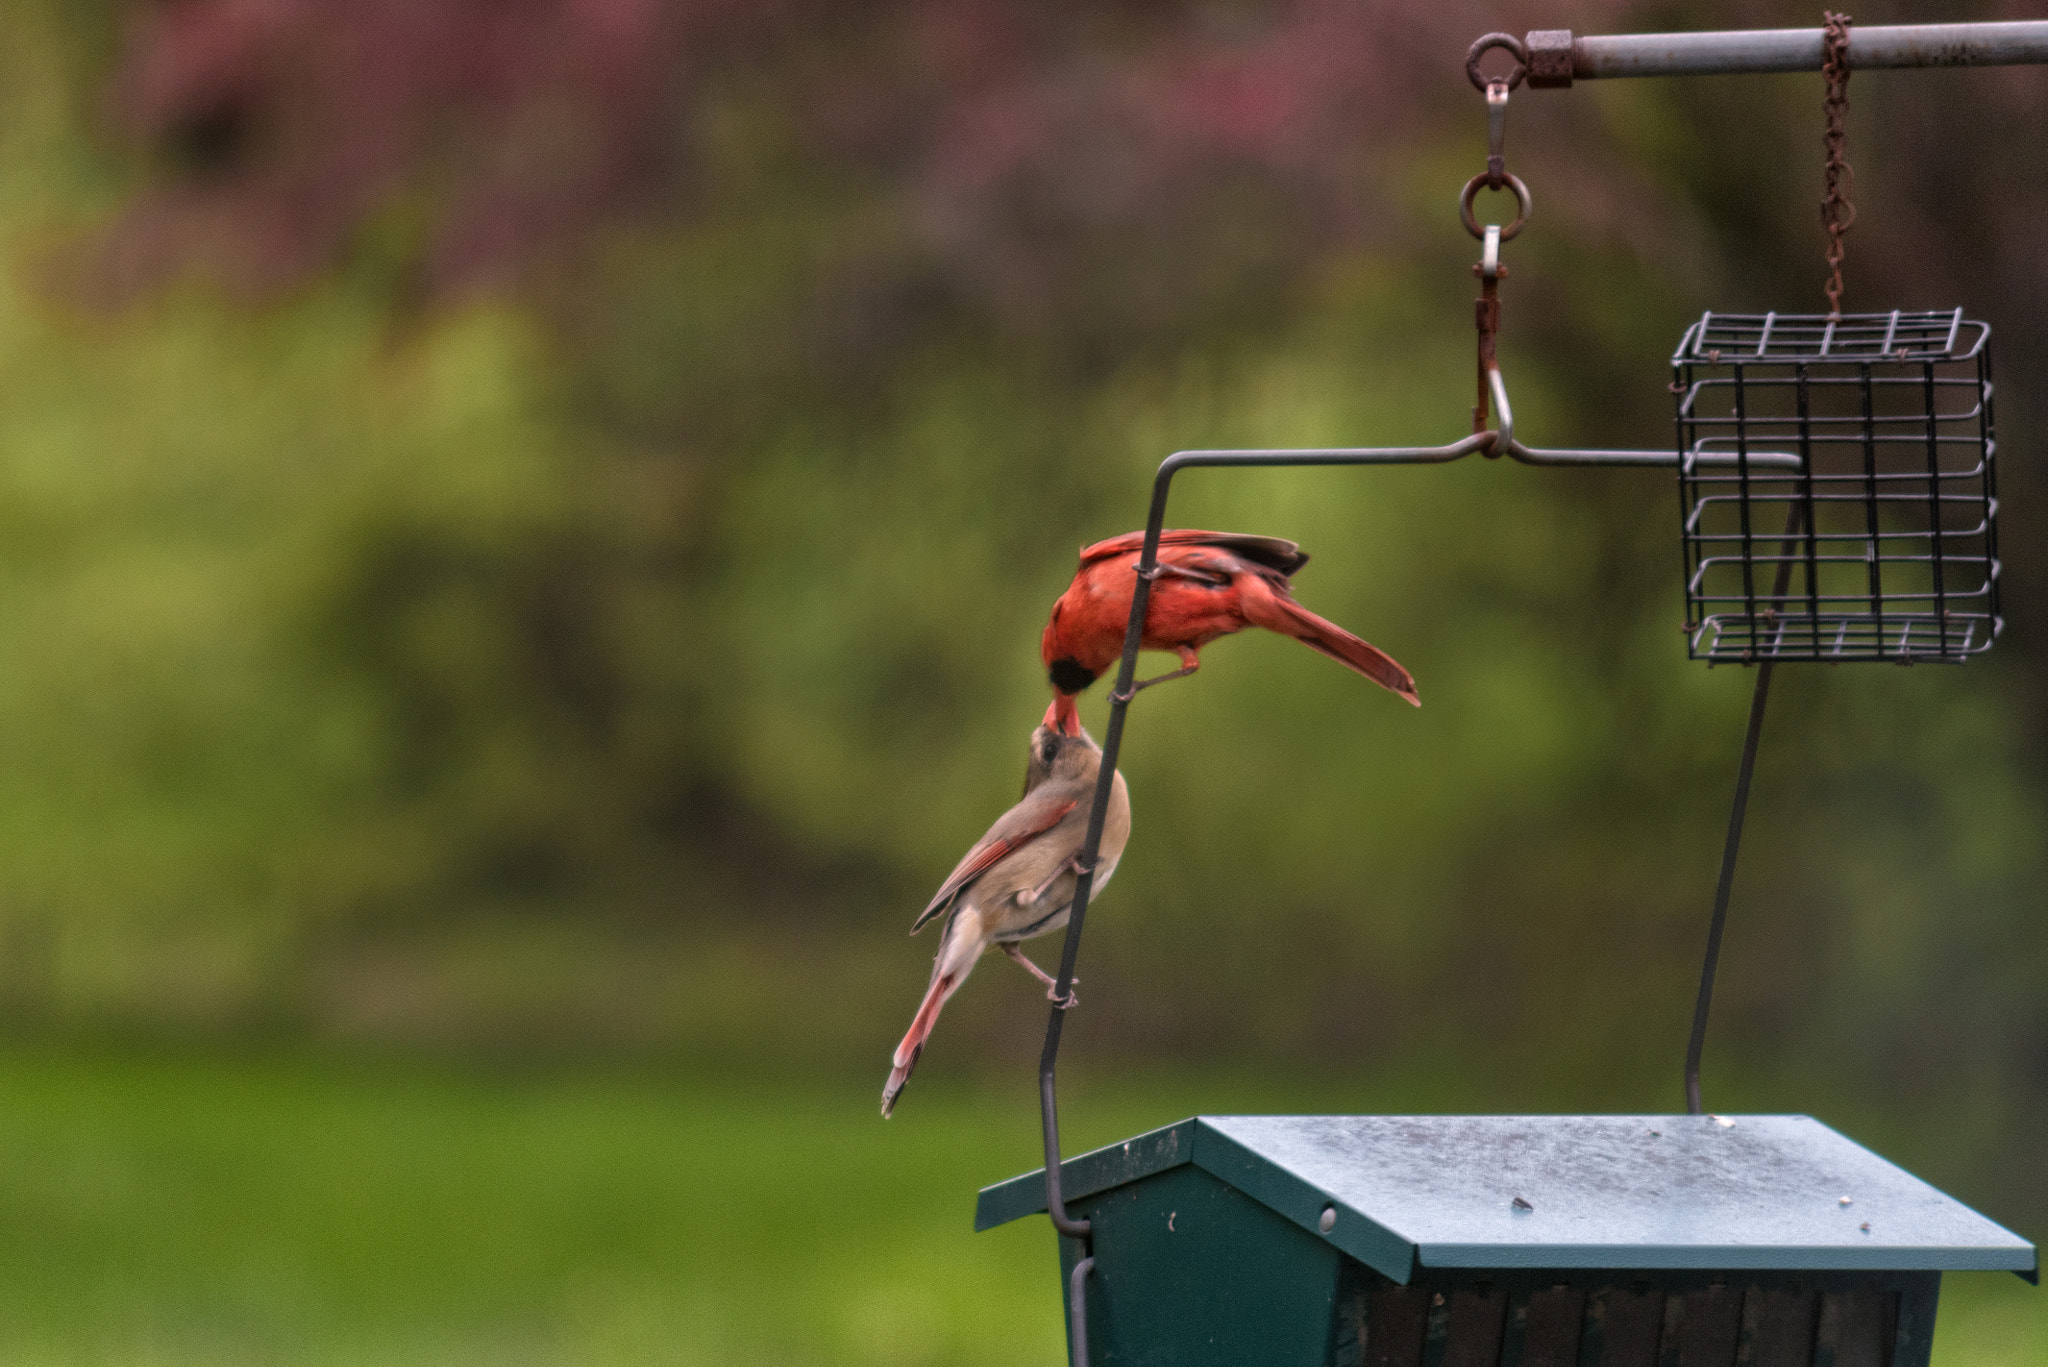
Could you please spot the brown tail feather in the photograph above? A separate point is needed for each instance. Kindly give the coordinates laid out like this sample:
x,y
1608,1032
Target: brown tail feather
x,y
913,1041
1275,612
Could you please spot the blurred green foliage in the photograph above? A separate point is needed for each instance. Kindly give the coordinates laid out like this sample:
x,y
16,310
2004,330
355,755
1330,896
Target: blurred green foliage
x,y
610,666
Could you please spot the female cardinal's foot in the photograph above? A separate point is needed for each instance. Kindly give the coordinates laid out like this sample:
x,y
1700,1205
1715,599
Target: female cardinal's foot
x,y
1052,986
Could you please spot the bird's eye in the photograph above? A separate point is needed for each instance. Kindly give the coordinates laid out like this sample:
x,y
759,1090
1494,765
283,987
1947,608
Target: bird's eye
x,y
1052,747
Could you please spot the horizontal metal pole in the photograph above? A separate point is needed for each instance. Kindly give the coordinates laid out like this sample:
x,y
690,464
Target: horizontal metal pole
x,y
1331,455
1538,455
1752,51
1483,441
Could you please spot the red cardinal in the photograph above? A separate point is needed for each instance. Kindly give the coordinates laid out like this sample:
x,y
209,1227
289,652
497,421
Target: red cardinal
x,y
1019,880
1210,584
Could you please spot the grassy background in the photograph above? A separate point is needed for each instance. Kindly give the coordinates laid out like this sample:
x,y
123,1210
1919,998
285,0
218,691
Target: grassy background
x,y
196,1208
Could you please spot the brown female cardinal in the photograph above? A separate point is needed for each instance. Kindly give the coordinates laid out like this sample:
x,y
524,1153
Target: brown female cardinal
x,y
1209,584
1018,880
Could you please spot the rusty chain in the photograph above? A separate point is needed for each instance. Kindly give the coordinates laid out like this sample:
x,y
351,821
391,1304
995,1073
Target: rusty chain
x,y
1837,214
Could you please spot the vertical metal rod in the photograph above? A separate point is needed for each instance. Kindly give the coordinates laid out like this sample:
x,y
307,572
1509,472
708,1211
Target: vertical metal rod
x,y
1940,604
1697,1045
1874,551
1689,553
1742,503
1806,502
1084,886
1077,1309
1988,508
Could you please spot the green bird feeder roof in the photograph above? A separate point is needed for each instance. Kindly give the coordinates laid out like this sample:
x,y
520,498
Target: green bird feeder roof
x,y
1778,1192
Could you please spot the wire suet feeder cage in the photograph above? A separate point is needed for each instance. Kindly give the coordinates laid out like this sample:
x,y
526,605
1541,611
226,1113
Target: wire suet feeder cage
x,y
1883,543
1838,505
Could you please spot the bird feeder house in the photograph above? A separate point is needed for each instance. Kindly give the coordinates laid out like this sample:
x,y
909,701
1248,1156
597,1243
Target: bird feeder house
x,y
1510,1241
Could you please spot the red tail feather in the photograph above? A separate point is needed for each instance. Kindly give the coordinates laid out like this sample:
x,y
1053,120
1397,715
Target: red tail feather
x,y
1276,612
913,1041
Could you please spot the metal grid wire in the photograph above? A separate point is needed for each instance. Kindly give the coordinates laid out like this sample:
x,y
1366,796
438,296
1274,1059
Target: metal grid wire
x,y
1882,544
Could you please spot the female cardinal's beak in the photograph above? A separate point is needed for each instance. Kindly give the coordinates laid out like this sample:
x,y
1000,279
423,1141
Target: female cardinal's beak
x,y
1064,716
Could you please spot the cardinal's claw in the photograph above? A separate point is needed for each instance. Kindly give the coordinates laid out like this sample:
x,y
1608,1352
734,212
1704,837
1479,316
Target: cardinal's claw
x,y
1052,985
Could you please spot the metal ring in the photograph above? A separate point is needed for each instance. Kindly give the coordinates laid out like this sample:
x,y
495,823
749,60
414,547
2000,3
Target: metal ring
x,y
1506,42
1471,191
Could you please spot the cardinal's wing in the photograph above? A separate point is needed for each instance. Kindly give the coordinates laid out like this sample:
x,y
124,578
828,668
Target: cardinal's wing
x,y
1270,551
1033,817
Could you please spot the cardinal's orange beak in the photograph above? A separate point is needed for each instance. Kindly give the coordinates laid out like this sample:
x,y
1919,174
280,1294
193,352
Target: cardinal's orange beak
x,y
1064,716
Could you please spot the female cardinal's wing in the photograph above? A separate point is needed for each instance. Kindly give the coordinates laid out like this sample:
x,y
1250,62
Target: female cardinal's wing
x,y
1270,551
1034,816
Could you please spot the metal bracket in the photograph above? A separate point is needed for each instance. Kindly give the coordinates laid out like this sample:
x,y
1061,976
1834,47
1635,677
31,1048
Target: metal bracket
x,y
1550,58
